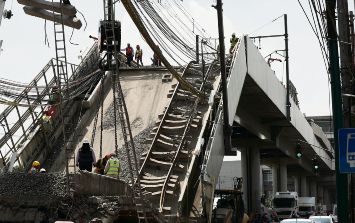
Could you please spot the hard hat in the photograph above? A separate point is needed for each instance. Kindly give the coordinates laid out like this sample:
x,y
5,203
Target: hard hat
x,y
36,164
86,141
42,170
233,34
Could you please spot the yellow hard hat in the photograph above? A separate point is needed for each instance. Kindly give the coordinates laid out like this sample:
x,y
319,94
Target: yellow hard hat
x,y
36,164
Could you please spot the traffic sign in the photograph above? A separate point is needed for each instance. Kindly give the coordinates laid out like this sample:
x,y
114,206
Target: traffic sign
x,y
347,150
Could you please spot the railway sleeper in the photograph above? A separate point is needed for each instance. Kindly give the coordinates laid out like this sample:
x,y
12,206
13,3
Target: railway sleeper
x,y
170,122
174,130
174,116
185,97
148,176
171,180
164,155
170,192
158,185
164,144
166,138
159,165
181,111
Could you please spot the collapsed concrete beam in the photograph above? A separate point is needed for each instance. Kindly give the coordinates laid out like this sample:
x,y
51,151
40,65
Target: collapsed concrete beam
x,y
66,9
44,14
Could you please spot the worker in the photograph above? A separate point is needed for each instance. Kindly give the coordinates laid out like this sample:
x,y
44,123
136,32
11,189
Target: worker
x,y
233,41
101,164
36,166
129,53
139,55
113,167
156,59
85,157
55,96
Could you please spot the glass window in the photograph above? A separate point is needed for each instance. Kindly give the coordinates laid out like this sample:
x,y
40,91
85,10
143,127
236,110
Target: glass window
x,y
284,202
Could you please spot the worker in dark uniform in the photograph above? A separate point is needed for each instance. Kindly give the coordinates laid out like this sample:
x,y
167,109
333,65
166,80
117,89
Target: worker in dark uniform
x,y
85,158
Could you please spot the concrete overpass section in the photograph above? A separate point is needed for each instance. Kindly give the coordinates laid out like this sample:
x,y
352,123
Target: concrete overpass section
x,y
257,109
146,97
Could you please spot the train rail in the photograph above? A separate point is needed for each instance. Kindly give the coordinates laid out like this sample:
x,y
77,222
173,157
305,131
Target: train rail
x,y
175,136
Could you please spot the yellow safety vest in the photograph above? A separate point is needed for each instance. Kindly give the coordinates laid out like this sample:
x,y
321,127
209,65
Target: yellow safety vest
x,y
139,53
114,169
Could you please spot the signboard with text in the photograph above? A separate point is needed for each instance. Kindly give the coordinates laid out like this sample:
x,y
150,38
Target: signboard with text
x,y
346,150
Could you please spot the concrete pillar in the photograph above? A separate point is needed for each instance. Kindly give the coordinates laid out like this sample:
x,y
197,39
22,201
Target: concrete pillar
x,y
275,173
320,194
251,179
296,183
244,164
283,176
313,186
304,186
326,198
255,179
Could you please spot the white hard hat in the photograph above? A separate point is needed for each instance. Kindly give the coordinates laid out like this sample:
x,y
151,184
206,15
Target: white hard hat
x,y
42,170
86,141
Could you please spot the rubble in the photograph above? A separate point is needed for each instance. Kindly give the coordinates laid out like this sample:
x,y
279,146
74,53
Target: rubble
x,y
21,185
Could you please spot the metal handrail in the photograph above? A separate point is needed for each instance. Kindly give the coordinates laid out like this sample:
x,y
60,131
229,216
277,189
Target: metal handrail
x,y
88,62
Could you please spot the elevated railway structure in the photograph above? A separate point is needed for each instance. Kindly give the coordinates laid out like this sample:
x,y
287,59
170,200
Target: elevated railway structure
x,y
178,171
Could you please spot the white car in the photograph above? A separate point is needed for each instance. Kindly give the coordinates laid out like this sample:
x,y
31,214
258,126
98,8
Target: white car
x,y
297,220
322,219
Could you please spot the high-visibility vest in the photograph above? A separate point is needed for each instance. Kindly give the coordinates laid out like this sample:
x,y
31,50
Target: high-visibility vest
x,y
114,167
139,53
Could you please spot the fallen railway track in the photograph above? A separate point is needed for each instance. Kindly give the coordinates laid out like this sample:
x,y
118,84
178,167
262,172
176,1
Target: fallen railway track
x,y
175,137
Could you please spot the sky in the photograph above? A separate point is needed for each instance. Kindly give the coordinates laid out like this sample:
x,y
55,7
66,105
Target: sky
x,y
25,53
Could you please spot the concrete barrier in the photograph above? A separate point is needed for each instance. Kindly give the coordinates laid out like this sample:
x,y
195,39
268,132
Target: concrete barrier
x,y
93,184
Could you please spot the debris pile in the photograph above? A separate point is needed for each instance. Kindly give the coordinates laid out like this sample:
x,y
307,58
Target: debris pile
x,y
141,146
22,186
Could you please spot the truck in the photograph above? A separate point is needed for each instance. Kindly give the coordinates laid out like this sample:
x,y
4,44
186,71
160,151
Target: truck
x,y
285,204
306,206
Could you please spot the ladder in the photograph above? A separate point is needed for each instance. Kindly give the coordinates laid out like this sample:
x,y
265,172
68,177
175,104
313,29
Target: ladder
x,y
120,108
61,77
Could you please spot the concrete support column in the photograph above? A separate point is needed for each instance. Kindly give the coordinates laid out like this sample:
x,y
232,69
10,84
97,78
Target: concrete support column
x,y
304,186
275,173
251,179
246,180
255,178
283,176
313,189
326,198
320,195
296,182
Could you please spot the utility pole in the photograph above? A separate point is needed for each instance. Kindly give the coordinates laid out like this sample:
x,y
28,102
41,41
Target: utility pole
x,y
345,57
346,66
226,126
288,103
341,179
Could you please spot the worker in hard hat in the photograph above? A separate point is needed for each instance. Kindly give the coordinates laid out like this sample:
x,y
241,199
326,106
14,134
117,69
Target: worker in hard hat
x,y
234,40
101,164
139,55
129,54
85,157
113,167
36,166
